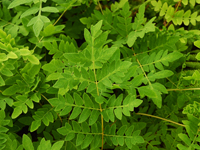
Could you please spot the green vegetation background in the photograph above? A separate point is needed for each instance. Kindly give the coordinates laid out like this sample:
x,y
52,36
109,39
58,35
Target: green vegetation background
x,y
99,74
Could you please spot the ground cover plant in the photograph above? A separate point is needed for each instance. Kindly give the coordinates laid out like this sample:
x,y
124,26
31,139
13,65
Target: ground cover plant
x,y
91,74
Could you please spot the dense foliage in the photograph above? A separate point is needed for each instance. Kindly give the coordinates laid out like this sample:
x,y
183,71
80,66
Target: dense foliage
x,y
90,74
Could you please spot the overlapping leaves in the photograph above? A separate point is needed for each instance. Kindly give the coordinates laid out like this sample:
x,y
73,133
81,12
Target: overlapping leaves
x,y
177,17
83,107
46,114
124,136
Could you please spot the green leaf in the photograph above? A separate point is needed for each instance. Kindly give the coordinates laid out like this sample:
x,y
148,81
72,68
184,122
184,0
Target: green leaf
x,y
107,82
170,13
185,138
118,113
80,138
37,27
44,19
50,30
18,2
6,72
78,99
160,87
27,143
17,111
70,136
132,38
197,43
32,10
91,87
93,117
54,76
33,59
3,57
88,101
193,18
88,36
198,56
84,115
146,90
2,82
44,145
83,85
33,20
3,35
163,9
73,57
160,75
100,99
12,55
186,17
157,5
178,17
121,132
13,31
25,52
11,90
76,111
76,126
181,147
50,9
88,139
192,2
96,28
58,145
35,125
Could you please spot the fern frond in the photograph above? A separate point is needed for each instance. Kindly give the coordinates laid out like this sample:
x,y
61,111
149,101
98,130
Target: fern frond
x,y
177,17
46,114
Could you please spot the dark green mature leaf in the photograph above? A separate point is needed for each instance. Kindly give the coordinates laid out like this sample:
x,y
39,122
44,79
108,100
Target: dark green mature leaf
x,y
88,139
76,111
11,90
84,115
80,138
93,117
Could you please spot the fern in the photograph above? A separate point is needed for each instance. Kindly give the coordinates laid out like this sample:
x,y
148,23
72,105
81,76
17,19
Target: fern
x,y
3,129
45,115
193,131
177,17
99,75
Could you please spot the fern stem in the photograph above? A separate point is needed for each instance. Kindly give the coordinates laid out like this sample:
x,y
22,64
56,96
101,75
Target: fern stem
x,y
60,17
100,7
195,136
179,3
142,69
172,82
102,128
160,118
51,106
188,89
